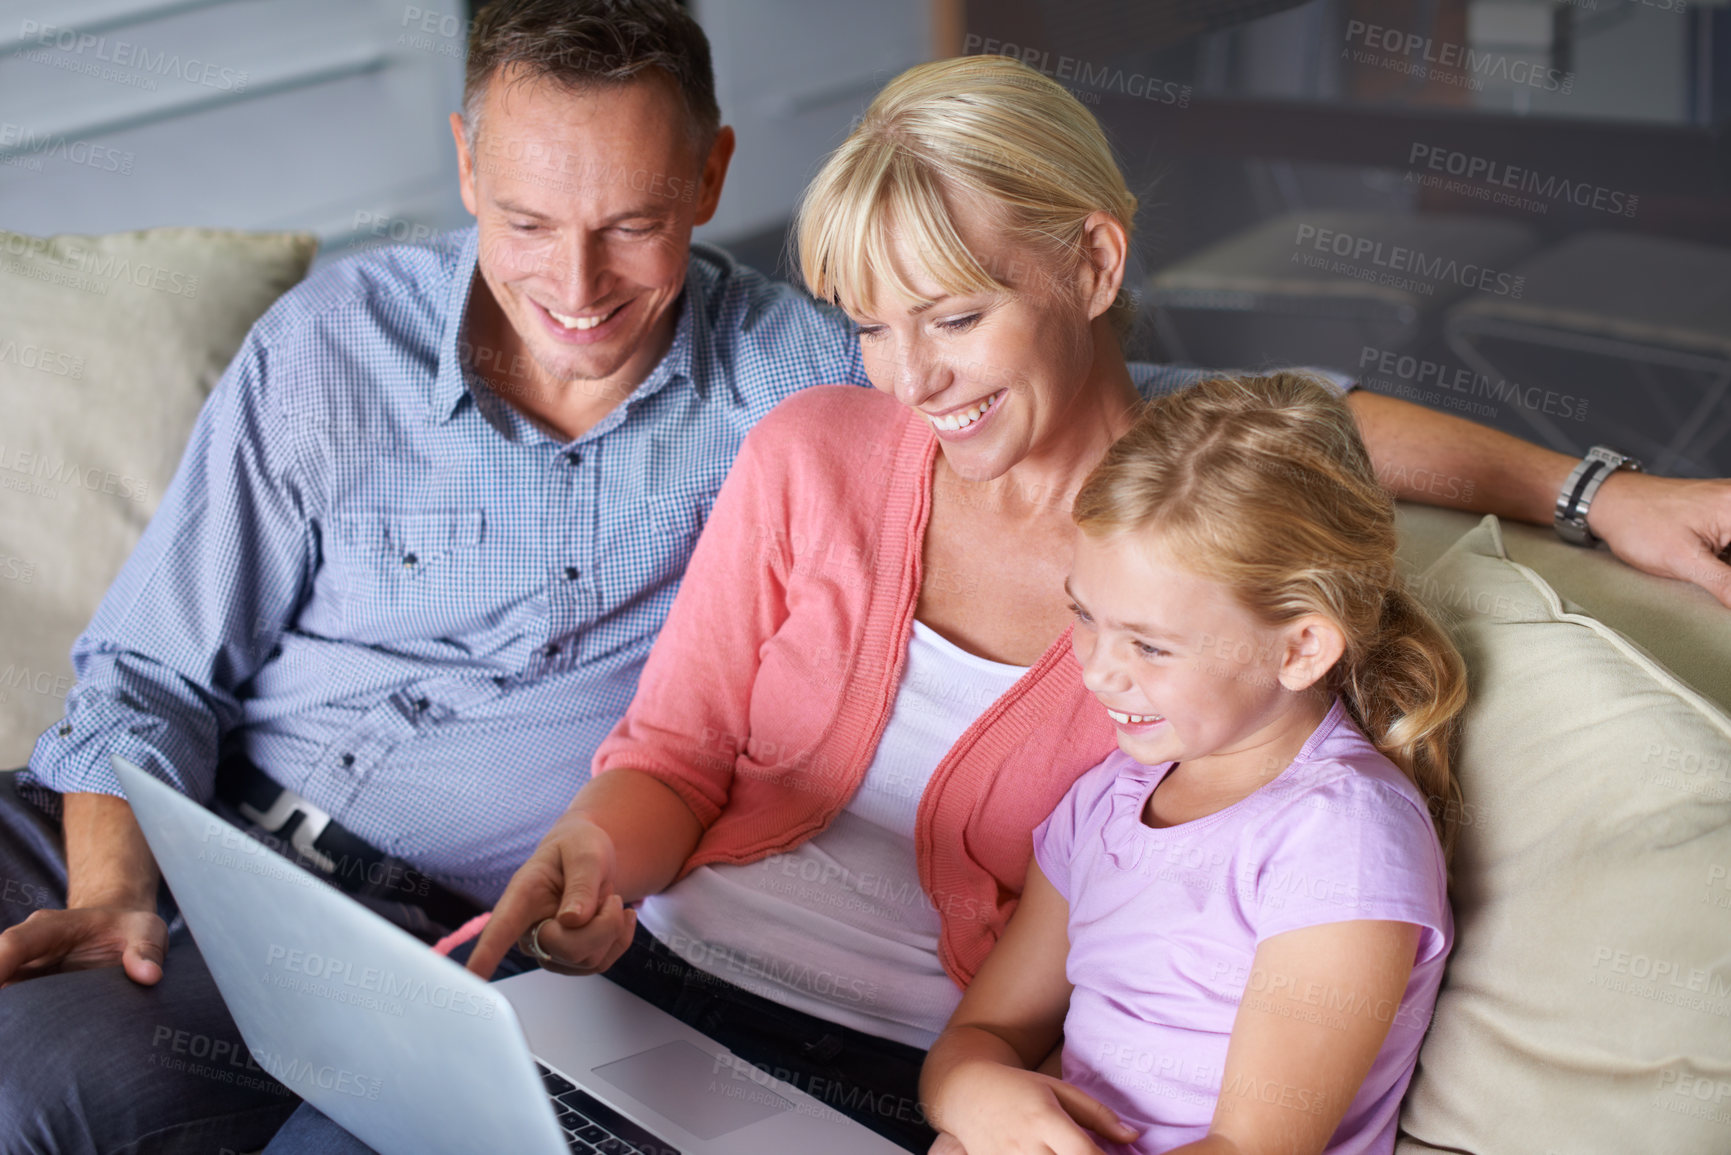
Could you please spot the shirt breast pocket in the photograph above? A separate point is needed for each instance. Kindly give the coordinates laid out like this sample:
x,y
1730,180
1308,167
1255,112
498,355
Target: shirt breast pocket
x,y
391,556
674,521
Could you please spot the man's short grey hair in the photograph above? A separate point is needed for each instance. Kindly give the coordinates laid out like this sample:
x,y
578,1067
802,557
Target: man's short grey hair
x,y
579,43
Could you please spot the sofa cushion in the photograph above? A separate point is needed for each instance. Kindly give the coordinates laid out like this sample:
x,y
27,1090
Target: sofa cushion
x,y
108,346
1587,1006
1680,624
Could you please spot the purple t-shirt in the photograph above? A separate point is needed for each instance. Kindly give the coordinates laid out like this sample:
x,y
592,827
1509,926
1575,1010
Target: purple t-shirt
x,y
1164,925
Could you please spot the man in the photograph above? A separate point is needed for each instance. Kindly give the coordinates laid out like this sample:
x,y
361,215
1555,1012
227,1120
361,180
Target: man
x,y
421,540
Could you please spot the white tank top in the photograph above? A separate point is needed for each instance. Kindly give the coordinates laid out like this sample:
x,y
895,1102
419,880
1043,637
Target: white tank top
x,y
839,927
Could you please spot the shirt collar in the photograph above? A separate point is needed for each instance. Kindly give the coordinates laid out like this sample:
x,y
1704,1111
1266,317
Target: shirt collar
x,y
451,385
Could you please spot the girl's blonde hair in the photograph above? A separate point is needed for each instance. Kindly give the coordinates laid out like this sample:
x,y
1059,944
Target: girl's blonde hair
x,y
1263,484
988,126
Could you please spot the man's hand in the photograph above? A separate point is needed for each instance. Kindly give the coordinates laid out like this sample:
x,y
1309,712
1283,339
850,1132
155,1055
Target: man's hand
x,y
110,917
52,941
568,884
1668,526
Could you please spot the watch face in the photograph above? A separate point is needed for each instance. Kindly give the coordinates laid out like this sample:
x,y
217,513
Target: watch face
x,y
1612,458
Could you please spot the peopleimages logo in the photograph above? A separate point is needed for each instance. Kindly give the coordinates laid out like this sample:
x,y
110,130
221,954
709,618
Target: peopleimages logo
x,y
1429,270
1670,972
88,269
1435,382
1443,54
100,157
55,473
126,54
1091,78
293,1072
40,358
311,973
1501,176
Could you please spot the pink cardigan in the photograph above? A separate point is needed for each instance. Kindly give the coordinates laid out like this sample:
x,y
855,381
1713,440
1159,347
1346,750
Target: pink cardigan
x,y
770,684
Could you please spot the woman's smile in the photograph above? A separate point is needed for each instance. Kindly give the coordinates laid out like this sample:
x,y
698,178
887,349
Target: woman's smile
x,y
966,421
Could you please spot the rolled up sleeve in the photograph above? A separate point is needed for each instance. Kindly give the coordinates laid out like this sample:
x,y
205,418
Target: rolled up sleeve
x,y
216,577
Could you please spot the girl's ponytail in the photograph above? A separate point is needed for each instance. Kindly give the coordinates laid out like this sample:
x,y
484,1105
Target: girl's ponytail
x,y
1406,693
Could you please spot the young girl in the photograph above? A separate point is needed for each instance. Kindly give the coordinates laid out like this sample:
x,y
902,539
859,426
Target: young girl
x,y
1251,891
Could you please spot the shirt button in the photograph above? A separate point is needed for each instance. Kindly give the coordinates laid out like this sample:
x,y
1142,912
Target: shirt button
x,y
409,559
570,573
572,457
348,759
552,651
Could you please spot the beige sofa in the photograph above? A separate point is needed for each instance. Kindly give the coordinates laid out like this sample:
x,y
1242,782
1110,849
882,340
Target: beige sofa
x,y
1588,1003
1587,1006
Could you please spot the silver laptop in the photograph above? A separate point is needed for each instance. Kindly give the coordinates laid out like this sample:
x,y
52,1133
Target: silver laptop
x,y
412,1053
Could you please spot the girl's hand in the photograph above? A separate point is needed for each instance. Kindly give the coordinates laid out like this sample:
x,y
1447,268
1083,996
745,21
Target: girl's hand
x,y
976,1085
1001,1109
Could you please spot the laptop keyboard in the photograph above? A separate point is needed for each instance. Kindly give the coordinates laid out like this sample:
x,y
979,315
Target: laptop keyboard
x,y
592,1126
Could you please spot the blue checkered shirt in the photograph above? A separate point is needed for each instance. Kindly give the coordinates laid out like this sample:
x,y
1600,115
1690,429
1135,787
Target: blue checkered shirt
x,y
396,595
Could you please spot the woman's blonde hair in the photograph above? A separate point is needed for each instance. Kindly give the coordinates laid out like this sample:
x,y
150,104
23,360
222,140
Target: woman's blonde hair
x,y
983,125
1263,484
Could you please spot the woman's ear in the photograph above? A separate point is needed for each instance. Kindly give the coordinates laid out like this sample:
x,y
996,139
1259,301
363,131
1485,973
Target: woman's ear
x,y
1310,647
1106,249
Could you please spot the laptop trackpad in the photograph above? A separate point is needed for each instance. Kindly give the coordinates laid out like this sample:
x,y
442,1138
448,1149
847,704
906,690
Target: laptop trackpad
x,y
708,1095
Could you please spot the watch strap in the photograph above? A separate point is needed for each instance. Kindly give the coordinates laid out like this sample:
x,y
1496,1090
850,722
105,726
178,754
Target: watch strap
x,y
1576,496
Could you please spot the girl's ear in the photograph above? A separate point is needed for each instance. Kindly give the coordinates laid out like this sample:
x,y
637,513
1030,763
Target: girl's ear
x,y
1310,648
1106,248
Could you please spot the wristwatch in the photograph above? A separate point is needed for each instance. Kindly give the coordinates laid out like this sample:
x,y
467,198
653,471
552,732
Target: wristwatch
x,y
1577,493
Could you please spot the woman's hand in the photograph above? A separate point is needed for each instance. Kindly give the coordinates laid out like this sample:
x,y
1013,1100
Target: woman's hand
x,y
997,1108
1667,526
563,900
626,835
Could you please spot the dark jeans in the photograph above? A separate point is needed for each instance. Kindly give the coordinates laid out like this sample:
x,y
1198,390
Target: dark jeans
x,y
92,1062
871,1080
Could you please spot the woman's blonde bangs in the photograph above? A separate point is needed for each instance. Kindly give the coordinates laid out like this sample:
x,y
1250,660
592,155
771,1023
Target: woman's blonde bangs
x,y
868,194
979,129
